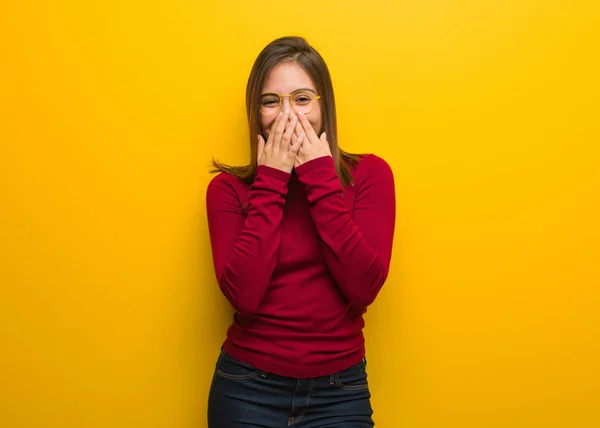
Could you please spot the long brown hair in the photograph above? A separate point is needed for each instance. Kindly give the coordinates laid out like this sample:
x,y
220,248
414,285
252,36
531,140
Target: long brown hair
x,y
298,51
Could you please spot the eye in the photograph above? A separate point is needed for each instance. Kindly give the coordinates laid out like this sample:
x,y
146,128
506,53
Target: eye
x,y
303,98
269,100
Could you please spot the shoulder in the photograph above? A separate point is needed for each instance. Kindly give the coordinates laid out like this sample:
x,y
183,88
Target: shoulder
x,y
372,161
224,184
226,179
371,166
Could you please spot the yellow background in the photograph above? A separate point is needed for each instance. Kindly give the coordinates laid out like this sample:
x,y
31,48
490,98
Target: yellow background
x,y
488,112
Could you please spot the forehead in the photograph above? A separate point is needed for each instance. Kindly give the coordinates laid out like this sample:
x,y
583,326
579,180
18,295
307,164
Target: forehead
x,y
286,77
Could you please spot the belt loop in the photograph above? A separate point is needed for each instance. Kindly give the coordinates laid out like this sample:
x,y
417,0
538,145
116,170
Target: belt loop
x,y
331,377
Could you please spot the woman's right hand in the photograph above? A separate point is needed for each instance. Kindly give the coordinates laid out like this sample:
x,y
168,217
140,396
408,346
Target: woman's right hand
x,y
279,152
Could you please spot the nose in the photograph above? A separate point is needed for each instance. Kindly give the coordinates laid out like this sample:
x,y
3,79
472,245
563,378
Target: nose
x,y
287,105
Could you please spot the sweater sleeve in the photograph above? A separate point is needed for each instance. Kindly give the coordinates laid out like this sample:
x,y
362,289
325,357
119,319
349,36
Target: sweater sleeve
x,y
357,245
244,240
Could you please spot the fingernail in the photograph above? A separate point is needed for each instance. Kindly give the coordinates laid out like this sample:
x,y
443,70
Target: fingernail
x,y
280,114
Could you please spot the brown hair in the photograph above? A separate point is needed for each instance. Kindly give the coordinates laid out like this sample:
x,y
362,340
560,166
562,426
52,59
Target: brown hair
x,y
298,51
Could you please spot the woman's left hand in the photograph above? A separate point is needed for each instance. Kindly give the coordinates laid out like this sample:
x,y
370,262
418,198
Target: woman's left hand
x,y
313,147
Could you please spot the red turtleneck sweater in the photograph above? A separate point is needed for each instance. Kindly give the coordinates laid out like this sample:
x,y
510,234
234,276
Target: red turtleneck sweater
x,y
300,258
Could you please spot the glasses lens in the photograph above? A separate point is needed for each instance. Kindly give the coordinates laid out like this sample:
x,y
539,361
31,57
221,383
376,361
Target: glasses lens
x,y
269,103
303,101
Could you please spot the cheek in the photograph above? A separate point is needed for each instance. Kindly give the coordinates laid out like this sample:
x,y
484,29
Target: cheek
x,y
316,123
314,117
265,124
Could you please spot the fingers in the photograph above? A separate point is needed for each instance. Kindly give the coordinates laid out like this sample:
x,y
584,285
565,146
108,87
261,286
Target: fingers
x,y
261,148
288,133
325,143
271,137
308,129
323,139
298,131
296,143
279,127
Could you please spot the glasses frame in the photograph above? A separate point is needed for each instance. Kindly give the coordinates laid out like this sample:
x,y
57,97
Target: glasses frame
x,y
312,104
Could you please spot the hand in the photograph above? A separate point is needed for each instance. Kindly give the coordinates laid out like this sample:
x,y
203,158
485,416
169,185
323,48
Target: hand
x,y
279,151
311,146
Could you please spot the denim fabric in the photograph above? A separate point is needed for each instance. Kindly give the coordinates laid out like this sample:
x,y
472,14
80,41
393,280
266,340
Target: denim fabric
x,y
242,396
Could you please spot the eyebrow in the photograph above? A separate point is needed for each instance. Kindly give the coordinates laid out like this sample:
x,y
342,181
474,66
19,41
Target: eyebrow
x,y
299,89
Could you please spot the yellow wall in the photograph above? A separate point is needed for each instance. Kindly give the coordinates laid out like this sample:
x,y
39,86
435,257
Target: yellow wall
x,y
488,112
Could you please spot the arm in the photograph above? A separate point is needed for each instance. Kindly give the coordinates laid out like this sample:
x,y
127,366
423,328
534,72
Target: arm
x,y
357,245
245,246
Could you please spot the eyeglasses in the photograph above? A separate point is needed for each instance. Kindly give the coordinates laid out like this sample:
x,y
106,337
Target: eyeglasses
x,y
302,101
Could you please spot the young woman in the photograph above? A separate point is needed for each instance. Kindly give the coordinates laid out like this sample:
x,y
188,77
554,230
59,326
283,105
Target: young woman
x,y
301,240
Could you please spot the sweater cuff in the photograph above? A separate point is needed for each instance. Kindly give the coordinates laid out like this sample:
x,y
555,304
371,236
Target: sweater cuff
x,y
273,172
324,162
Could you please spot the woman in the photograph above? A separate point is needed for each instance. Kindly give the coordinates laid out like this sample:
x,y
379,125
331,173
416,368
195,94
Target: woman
x,y
301,240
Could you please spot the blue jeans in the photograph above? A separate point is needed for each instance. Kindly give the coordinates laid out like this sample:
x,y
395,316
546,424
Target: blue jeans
x,y
242,396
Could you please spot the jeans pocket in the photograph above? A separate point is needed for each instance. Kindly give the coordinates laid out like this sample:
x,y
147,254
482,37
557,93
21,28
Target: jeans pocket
x,y
230,368
353,378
